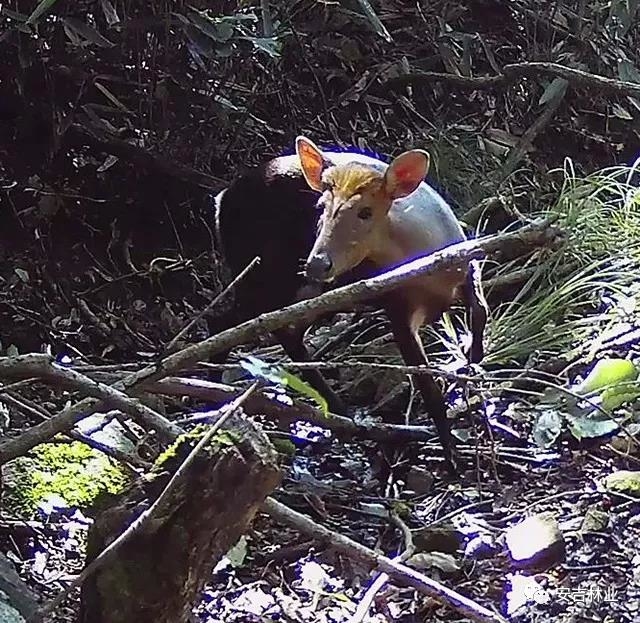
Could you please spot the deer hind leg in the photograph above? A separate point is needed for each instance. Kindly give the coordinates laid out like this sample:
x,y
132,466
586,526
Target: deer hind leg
x,y
477,310
293,344
408,340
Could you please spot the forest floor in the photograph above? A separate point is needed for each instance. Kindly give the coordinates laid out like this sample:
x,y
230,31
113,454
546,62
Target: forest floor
x,y
107,252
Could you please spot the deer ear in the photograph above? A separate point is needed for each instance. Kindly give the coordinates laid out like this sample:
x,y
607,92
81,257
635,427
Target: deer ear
x,y
405,173
311,161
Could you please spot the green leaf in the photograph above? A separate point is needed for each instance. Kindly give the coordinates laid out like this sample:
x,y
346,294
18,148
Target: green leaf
x,y
627,71
279,376
217,30
228,104
607,372
270,45
14,15
297,384
621,113
42,8
555,89
374,20
614,397
238,552
23,275
110,14
86,32
590,426
201,43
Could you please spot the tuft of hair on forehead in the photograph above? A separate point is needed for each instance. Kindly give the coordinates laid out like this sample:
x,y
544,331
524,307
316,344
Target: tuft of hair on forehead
x,y
350,179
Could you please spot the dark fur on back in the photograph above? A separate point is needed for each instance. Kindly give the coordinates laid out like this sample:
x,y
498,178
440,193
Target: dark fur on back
x,y
270,213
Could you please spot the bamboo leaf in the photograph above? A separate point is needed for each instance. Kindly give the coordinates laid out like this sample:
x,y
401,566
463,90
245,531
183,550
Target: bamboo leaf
x,y
555,89
110,13
373,19
86,32
278,375
42,8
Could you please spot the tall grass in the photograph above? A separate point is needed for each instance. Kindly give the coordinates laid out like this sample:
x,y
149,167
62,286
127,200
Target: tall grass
x,y
591,282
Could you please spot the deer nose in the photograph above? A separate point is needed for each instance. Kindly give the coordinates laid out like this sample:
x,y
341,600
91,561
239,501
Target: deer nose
x,y
319,266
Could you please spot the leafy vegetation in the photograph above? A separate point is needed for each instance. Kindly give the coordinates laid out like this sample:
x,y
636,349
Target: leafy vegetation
x,y
586,292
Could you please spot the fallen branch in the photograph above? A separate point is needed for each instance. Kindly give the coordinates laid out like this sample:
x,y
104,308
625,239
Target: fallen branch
x,y
376,586
576,77
261,403
536,233
44,367
395,570
21,405
47,369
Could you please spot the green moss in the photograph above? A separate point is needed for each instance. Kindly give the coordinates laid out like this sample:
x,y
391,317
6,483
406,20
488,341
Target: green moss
x,y
73,471
624,481
168,454
284,446
402,509
220,439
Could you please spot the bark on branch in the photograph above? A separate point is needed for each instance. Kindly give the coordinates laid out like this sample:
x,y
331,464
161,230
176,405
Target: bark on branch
x,y
512,72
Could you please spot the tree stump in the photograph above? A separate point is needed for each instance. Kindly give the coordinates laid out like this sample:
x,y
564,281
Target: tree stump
x,y
159,573
17,602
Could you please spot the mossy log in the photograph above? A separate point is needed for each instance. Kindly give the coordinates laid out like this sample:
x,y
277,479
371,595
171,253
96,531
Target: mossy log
x,y
158,574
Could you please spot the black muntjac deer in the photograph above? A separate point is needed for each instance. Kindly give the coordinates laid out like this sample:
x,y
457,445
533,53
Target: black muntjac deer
x,y
350,215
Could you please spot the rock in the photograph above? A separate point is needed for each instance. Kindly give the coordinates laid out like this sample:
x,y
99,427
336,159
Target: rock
x,y
535,542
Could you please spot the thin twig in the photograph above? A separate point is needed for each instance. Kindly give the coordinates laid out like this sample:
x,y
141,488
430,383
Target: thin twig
x,y
254,262
526,140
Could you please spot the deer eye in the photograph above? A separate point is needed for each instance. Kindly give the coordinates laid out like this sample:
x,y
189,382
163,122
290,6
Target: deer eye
x,y
365,213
